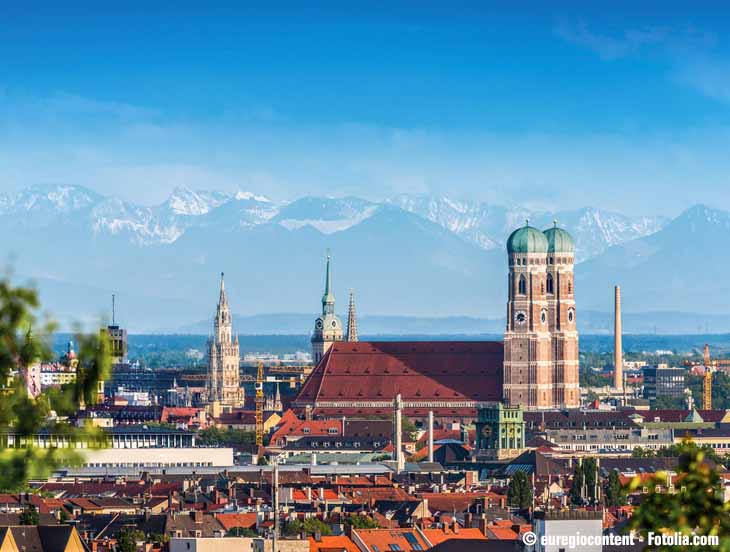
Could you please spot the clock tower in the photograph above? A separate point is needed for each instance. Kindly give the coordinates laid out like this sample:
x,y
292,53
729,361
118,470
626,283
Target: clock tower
x,y
541,339
327,327
528,374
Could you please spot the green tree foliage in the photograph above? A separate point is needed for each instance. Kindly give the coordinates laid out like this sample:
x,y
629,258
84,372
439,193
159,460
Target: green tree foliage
x,y
589,378
696,506
585,482
613,491
242,532
519,493
576,489
221,437
676,450
127,540
25,415
720,389
310,526
29,516
362,522
590,475
669,403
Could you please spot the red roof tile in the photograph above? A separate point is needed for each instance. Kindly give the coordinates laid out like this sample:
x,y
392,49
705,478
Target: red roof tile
x,y
424,370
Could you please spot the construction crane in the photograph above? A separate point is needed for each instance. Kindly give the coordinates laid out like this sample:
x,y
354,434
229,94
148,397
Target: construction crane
x,y
707,380
260,404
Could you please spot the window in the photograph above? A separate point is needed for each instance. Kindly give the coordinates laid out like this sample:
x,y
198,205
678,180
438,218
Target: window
x,y
550,283
522,286
395,547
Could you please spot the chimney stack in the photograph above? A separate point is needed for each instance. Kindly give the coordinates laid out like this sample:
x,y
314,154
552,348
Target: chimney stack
x,y
430,435
618,362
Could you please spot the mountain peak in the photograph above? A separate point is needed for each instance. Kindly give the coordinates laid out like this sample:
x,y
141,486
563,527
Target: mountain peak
x,y
194,203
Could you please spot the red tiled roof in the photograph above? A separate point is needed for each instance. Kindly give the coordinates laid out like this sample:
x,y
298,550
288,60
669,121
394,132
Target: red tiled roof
x,y
436,536
301,496
384,538
418,370
332,543
229,521
501,533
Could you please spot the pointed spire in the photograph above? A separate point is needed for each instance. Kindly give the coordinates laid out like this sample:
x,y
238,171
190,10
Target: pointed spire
x,y
328,299
222,299
351,319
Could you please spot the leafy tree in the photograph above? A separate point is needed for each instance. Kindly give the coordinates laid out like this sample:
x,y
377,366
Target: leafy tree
x,y
242,532
669,403
262,461
23,410
590,474
310,526
219,437
696,507
519,493
63,515
29,516
613,491
409,427
576,489
127,540
362,522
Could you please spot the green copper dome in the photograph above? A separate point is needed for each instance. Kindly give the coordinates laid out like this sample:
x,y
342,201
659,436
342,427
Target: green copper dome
x,y
527,240
559,241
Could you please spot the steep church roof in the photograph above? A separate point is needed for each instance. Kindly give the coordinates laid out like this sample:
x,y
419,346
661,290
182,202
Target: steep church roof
x,y
363,377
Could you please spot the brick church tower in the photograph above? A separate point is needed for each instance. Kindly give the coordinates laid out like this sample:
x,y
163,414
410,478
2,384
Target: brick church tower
x,y
541,341
561,317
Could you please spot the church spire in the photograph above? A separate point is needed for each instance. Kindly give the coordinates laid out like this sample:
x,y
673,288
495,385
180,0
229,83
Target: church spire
x,y
328,299
351,320
222,299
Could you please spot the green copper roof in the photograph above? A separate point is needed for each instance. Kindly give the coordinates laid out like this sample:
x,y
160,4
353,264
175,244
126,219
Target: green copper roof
x,y
527,240
559,241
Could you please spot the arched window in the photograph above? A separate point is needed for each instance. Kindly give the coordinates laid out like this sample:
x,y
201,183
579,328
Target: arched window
x,y
570,286
550,283
522,287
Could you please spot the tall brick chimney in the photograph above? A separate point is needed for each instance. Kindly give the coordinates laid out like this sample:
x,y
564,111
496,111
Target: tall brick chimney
x,y
618,362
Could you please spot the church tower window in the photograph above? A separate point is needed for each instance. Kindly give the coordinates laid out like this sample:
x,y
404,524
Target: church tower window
x,y
522,286
550,283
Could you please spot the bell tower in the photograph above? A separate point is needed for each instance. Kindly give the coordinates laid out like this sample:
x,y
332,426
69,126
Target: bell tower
x,y
562,316
528,374
327,327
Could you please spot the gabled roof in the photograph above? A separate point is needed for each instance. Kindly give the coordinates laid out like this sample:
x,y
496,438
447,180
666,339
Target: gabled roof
x,y
448,371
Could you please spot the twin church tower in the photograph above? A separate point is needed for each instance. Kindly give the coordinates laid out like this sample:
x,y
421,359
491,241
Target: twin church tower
x,y
540,369
541,339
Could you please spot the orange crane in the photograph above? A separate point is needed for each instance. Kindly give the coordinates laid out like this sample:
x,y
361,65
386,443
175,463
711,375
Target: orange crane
x,y
260,404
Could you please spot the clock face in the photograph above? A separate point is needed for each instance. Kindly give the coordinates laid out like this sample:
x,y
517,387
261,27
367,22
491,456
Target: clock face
x,y
571,315
520,318
319,324
543,316
486,431
334,323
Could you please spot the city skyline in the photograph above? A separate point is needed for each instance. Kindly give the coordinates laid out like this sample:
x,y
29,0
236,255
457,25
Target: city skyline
x,y
563,107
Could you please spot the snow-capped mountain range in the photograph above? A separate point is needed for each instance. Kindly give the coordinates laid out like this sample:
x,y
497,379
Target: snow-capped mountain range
x,y
484,225
409,255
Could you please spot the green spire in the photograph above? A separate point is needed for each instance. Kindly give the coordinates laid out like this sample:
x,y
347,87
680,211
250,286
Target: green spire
x,y
328,299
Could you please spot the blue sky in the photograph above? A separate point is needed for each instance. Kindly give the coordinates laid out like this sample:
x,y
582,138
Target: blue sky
x,y
624,108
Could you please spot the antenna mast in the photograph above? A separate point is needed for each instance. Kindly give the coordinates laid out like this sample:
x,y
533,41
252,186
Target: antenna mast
x,y
113,308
